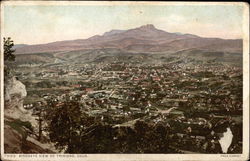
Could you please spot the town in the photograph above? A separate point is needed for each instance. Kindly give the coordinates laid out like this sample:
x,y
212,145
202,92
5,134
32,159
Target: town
x,y
197,103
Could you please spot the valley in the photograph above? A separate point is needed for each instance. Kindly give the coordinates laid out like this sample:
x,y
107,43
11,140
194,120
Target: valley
x,y
141,90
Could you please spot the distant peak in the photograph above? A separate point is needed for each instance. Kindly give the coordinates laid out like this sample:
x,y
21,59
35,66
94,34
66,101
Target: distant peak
x,y
148,26
112,32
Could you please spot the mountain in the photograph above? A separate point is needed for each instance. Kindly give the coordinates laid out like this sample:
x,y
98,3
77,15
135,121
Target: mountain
x,y
19,46
145,38
113,32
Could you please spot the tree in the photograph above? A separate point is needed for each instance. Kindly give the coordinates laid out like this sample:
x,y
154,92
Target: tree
x,y
44,84
72,129
64,123
8,51
8,55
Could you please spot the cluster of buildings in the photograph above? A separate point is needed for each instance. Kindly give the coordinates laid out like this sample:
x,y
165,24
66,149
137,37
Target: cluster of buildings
x,y
188,98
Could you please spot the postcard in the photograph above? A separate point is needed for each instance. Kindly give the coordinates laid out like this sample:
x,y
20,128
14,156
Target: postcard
x,y
128,80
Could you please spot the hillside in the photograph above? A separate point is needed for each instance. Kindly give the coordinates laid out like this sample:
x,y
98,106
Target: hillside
x,y
20,127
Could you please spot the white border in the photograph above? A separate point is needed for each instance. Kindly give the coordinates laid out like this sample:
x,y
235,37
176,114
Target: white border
x,y
145,157
2,79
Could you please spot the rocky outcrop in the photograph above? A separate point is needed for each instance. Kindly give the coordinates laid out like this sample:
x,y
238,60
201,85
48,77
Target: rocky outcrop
x,y
20,127
13,87
14,94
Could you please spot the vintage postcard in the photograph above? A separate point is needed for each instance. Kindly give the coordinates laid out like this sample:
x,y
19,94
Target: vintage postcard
x,y
142,81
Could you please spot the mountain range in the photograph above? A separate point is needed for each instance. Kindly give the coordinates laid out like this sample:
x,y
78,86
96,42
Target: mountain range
x,y
146,38
143,44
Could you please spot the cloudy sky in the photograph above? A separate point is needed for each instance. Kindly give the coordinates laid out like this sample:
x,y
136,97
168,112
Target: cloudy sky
x,y
36,24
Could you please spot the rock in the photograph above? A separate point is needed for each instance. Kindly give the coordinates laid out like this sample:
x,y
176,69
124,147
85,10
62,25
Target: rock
x,y
17,138
15,92
14,87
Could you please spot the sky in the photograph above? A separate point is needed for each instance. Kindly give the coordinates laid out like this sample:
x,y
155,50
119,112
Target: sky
x,y
37,24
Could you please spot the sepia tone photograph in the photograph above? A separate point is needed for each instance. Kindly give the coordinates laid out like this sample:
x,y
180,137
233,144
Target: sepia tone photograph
x,y
126,78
